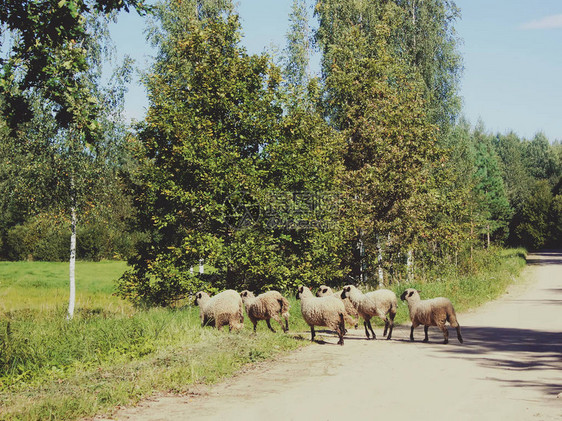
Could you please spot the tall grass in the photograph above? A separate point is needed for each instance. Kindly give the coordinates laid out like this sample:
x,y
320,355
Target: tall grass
x,y
94,363
491,272
111,355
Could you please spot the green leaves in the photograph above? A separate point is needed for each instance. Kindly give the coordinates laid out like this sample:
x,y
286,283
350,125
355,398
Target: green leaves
x,y
49,54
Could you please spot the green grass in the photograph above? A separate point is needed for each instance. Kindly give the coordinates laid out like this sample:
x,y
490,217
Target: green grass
x,y
111,354
493,271
43,286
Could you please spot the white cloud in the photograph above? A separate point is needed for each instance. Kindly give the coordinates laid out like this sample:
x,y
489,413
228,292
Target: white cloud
x,y
548,22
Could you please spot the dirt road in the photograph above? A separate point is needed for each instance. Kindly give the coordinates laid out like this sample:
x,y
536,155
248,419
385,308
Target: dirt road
x,y
509,367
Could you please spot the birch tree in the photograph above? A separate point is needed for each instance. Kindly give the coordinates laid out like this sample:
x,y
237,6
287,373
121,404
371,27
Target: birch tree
x,y
56,55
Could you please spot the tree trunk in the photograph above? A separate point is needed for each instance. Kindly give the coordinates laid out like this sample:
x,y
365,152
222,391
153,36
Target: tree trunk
x,y
379,261
410,265
471,240
72,266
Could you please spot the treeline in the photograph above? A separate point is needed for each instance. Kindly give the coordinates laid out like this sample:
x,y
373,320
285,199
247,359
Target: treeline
x,y
275,177
517,182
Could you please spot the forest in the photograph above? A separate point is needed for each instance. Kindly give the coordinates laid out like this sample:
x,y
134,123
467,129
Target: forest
x,y
272,176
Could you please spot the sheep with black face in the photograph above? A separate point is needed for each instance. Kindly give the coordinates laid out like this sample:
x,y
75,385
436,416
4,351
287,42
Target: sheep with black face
x,y
432,312
223,309
266,306
351,314
322,311
381,303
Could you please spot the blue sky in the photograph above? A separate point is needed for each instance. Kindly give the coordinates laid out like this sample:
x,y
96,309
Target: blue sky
x,y
512,54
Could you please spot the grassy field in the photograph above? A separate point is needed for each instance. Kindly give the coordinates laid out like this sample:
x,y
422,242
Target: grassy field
x,y
43,286
111,354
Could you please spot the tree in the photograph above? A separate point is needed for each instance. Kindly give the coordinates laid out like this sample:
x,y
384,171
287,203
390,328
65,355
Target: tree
x,y
428,41
531,226
212,111
233,170
73,160
516,177
422,37
493,205
555,222
49,53
541,159
376,100
298,46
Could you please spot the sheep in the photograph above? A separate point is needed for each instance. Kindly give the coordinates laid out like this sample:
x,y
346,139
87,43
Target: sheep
x,y
222,309
266,306
350,311
433,312
380,303
322,311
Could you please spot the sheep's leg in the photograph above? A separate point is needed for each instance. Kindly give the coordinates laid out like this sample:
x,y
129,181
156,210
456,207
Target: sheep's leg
x,y
255,325
340,334
445,333
312,333
412,332
278,320
269,325
459,334
387,325
367,324
350,320
425,330
391,324
341,329
371,328
286,325
366,330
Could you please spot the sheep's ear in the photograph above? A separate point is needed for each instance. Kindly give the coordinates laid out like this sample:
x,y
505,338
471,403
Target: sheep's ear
x,y
411,293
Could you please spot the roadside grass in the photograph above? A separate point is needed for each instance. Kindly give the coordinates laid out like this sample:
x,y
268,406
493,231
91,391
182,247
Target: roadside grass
x,y
111,354
492,272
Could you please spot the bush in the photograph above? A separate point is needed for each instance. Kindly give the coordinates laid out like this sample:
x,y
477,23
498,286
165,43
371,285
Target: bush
x,y
46,237
40,238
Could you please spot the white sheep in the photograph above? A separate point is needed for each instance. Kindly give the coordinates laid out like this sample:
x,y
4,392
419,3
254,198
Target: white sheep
x,y
432,312
381,303
223,309
322,311
266,306
351,314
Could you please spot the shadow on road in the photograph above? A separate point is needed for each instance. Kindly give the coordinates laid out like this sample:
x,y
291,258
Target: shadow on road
x,y
545,257
512,349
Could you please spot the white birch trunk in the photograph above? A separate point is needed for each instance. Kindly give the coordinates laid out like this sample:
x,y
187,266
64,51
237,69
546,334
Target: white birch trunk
x,y
201,266
379,261
72,265
410,265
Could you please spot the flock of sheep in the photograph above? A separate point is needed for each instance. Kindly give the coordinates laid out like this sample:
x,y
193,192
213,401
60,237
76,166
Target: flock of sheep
x,y
328,309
